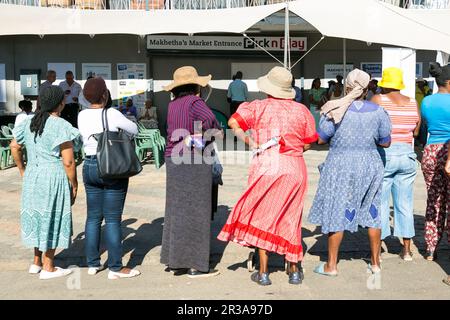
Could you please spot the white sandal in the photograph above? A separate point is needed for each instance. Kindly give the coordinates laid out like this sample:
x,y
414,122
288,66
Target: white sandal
x,y
373,269
34,269
117,275
59,272
92,271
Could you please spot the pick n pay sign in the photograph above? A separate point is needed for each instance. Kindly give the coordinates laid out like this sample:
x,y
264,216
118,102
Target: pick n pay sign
x,y
223,43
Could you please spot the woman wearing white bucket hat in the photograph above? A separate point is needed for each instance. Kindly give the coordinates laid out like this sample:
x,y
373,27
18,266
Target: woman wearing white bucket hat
x,y
268,215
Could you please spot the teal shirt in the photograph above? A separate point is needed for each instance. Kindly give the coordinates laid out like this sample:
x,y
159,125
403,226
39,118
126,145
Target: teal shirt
x,y
237,91
435,111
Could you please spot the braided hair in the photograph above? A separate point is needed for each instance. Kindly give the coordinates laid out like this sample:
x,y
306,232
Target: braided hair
x,y
50,100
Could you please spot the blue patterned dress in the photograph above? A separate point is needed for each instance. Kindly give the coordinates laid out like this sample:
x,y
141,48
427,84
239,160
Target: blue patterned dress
x,y
349,191
46,214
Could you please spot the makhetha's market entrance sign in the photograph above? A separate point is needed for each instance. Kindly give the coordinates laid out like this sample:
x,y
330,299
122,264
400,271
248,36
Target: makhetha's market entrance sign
x,y
223,43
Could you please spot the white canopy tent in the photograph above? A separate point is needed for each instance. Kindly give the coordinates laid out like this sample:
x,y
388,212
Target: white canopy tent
x,y
377,22
16,20
364,20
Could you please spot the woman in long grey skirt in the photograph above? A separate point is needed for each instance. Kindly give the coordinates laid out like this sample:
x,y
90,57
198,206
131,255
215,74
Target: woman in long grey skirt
x,y
187,222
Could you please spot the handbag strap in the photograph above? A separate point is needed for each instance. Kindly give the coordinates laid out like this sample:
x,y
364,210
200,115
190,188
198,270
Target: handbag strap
x,y
105,119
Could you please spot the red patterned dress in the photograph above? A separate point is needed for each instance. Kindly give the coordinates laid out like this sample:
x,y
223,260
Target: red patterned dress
x,y
269,213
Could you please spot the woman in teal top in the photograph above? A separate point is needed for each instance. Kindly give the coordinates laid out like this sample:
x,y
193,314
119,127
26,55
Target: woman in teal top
x,y
436,114
317,98
49,181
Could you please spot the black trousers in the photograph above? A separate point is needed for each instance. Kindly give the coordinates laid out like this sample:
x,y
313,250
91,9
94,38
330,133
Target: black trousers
x,y
234,106
70,113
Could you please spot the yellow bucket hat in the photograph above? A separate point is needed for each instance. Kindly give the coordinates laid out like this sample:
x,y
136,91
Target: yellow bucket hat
x,y
392,79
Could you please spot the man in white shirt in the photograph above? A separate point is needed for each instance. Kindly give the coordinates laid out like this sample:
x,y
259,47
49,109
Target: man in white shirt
x,y
51,77
72,90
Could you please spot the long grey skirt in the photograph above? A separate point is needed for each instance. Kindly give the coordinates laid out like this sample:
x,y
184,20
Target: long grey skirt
x,y
187,221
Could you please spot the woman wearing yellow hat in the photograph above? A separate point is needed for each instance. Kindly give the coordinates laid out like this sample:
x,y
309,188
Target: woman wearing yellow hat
x,y
400,159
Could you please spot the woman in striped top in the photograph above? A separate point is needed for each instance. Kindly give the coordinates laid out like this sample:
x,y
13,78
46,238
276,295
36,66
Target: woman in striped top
x,y
400,159
187,220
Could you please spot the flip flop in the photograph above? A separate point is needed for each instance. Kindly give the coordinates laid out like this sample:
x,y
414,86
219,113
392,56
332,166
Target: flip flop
x,y
446,281
320,269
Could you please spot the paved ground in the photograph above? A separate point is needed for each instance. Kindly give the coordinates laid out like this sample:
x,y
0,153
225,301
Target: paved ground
x,y
142,228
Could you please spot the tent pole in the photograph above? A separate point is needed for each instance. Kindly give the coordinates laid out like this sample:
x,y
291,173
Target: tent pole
x,y
263,49
344,54
286,35
307,52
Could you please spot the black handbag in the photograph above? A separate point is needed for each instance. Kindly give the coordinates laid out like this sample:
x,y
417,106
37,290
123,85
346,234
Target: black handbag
x,y
116,153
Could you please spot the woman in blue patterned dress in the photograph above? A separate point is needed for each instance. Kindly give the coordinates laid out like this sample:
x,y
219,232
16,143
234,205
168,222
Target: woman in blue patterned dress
x,y
49,181
349,191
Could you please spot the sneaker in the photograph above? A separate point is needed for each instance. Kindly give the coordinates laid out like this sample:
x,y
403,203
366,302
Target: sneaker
x,y
193,273
112,275
34,269
59,272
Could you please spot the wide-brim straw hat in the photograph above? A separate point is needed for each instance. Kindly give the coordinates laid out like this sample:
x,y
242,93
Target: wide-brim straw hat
x,y
277,83
392,78
187,75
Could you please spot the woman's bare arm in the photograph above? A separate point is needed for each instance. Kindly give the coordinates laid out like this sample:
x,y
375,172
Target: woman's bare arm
x,y
70,167
17,153
417,129
238,132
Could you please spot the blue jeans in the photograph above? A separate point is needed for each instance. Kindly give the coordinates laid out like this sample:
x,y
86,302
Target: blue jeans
x,y
399,175
105,200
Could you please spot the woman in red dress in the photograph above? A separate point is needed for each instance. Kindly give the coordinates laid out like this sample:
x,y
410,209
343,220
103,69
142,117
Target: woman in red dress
x,y
268,215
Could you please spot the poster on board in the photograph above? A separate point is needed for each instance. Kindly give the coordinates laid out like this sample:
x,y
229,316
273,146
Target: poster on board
x,y
333,70
61,69
96,70
419,69
132,83
2,83
375,69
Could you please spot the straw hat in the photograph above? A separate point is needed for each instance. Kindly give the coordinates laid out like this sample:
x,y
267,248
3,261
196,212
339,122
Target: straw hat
x,y
277,83
392,79
187,75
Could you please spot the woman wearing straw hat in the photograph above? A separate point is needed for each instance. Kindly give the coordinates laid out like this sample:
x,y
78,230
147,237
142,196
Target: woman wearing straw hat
x,y
349,191
187,222
269,213
400,159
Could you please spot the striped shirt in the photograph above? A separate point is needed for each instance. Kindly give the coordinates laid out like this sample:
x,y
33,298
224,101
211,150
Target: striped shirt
x,y
182,114
404,119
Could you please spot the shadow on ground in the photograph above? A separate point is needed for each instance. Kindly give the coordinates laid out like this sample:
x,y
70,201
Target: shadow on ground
x,y
138,243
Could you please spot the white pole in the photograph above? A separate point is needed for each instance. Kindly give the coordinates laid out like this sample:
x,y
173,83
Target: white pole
x,y
344,54
286,36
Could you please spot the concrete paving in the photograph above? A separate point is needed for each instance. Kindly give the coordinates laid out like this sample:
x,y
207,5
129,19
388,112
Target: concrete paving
x,y
142,230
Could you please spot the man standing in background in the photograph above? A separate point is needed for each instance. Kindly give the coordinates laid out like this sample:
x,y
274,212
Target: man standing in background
x,y
237,92
51,77
71,90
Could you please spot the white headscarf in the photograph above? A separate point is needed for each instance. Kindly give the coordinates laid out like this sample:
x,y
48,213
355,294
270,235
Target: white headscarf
x,y
357,81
